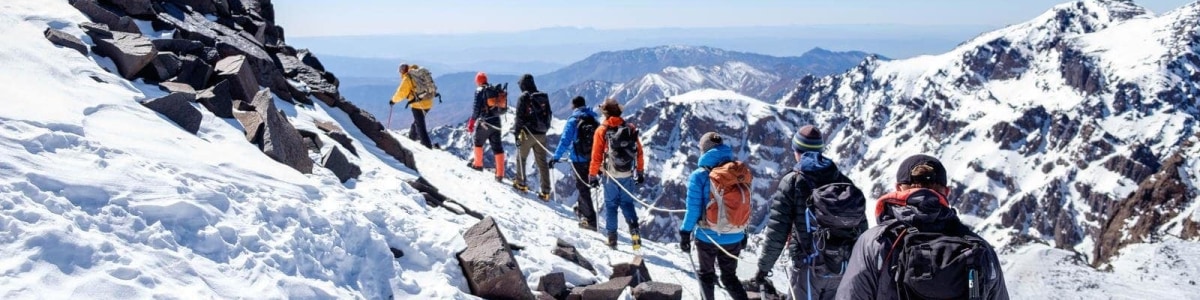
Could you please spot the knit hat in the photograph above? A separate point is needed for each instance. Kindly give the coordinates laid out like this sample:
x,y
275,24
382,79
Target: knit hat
x,y
921,168
808,138
611,108
710,140
578,102
480,78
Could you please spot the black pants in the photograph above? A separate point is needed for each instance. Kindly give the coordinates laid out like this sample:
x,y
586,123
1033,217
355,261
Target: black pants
x,y
710,256
585,206
419,131
486,132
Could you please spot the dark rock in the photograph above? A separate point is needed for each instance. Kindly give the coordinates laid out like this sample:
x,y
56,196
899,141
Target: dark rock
x,y
326,126
263,65
218,99
188,25
255,28
544,296
375,131
66,40
341,166
194,72
178,108
610,289
635,269
280,141
658,291
136,8
310,59
96,30
217,7
569,253
166,65
252,121
342,139
1080,71
312,140
130,52
99,14
177,87
489,266
237,72
553,284
1157,200
178,46
294,68
996,60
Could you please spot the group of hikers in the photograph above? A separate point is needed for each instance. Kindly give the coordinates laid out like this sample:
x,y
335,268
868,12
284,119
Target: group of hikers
x,y
919,248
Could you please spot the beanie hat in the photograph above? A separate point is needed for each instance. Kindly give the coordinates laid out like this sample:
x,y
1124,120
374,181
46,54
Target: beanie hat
x,y
578,102
921,168
710,140
480,78
611,108
808,138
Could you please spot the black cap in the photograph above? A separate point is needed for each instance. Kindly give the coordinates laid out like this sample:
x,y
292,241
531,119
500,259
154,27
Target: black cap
x,y
904,175
578,102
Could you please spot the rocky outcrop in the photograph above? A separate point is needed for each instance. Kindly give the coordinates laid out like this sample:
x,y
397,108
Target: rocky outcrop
x,y
1157,200
99,14
129,51
1080,71
178,108
341,166
610,289
636,270
280,140
568,252
996,60
489,266
195,72
235,71
65,40
658,291
554,285
218,99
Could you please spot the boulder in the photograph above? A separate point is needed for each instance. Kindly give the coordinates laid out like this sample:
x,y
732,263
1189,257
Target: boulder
x,y
252,121
234,43
569,253
255,28
130,52
326,126
280,140
136,8
311,140
180,46
95,30
166,65
178,108
658,291
309,59
610,289
553,284
65,40
193,72
99,14
188,25
635,269
544,296
489,266
237,72
375,131
218,99
342,139
217,7
337,162
177,87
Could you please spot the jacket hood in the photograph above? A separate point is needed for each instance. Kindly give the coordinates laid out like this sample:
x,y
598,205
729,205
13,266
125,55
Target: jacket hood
x,y
613,121
526,83
716,156
923,208
817,166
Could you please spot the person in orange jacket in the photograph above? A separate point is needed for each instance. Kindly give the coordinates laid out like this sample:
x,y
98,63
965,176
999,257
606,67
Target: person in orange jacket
x,y
420,107
617,151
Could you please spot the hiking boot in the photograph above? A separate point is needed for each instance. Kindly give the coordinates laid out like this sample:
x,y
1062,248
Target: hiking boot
x,y
471,165
612,240
499,178
520,187
635,239
585,225
544,196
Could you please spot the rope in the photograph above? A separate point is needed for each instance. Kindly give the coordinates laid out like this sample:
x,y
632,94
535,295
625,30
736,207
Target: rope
x,y
726,253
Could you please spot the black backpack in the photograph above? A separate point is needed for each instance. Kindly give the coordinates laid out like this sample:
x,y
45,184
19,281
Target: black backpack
x,y
833,216
585,131
951,264
536,117
622,142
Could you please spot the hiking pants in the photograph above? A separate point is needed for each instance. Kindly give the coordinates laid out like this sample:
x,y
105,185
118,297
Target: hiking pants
x,y
614,198
584,205
712,258
419,131
485,132
537,143
823,287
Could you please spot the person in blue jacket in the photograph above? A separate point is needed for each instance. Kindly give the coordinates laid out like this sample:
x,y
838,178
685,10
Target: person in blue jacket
x,y
713,153
579,152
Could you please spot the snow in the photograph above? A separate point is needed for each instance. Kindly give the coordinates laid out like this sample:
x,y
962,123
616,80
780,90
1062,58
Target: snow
x,y
1164,270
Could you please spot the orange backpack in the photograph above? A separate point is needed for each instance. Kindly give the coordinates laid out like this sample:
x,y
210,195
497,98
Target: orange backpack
x,y
729,206
498,97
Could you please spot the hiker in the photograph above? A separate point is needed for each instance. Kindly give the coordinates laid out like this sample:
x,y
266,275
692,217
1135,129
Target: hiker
x,y
818,213
485,123
532,122
921,250
617,152
705,205
420,103
576,141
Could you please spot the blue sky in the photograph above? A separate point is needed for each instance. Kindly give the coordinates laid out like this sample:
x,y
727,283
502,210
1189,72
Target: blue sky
x,y
370,17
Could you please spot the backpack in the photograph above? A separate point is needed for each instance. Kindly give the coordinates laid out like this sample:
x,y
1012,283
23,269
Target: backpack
x,y
833,215
585,130
497,97
622,142
939,265
537,113
728,210
423,85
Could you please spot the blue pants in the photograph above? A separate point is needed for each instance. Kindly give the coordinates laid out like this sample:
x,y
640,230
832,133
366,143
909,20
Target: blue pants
x,y
615,197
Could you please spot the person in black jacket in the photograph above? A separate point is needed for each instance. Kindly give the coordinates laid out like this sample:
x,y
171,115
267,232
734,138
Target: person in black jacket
x,y
533,120
787,217
485,124
919,207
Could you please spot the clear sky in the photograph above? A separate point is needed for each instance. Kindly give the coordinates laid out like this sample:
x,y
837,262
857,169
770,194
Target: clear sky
x,y
371,17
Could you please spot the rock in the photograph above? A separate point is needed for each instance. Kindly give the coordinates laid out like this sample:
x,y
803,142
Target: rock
x,y
311,140
280,141
193,72
310,59
658,291
130,52
237,72
252,121
233,43
553,284
341,166
489,267
177,87
99,14
255,28
610,289
296,69
65,40
188,25
136,8
178,46
635,269
342,139
166,65
217,99
218,7
178,108
375,131
95,30
327,126
569,253
1159,198
543,296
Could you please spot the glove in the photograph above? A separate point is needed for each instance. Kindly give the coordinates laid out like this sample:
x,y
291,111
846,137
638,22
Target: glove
x,y
552,162
594,181
406,104
685,241
639,178
764,285
391,103
471,125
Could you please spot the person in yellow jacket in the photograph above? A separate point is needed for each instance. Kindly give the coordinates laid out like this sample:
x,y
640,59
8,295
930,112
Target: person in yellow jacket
x,y
420,107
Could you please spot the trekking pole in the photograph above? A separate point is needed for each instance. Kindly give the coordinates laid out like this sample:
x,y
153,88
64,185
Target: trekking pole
x,y
389,122
692,263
